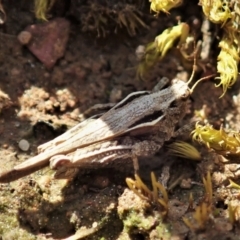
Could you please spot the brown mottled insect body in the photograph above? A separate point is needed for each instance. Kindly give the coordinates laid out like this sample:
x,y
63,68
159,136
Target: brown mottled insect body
x,y
137,126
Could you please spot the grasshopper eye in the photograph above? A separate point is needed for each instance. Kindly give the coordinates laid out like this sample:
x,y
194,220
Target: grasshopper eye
x,y
174,81
186,95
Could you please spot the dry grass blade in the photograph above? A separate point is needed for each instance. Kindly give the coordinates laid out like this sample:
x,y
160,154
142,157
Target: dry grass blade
x,y
184,150
140,189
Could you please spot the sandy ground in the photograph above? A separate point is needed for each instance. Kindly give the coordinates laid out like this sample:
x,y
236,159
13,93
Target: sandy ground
x,y
38,103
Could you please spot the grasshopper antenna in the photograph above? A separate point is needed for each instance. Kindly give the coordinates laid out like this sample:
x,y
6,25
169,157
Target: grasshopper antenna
x,y
194,70
200,80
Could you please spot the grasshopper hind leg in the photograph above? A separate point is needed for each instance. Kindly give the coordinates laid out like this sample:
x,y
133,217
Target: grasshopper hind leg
x,y
144,148
61,163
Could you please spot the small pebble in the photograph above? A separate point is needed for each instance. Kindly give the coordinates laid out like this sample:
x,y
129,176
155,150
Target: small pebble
x,y
95,224
24,37
186,183
140,52
115,95
15,72
5,146
100,182
17,124
24,145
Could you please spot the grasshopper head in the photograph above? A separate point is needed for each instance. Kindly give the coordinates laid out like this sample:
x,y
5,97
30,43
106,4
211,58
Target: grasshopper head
x,y
180,89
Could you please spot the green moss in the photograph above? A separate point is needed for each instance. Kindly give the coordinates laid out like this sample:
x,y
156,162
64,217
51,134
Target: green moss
x,y
163,231
10,229
133,220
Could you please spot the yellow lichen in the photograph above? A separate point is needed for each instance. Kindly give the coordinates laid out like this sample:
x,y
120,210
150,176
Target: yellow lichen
x,y
164,5
156,50
217,11
202,212
235,20
42,7
140,189
207,182
233,215
223,142
227,65
233,185
165,41
227,14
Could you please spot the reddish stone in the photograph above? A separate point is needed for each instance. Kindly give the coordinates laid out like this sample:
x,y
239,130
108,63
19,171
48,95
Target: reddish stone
x,y
49,40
